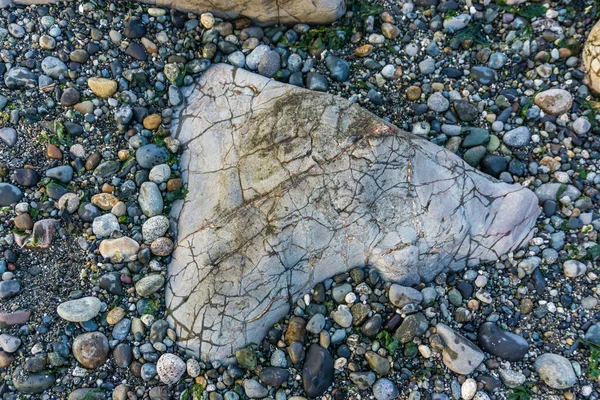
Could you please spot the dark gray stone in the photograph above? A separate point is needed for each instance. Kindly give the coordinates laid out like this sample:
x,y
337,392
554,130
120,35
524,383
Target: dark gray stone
x,y
317,374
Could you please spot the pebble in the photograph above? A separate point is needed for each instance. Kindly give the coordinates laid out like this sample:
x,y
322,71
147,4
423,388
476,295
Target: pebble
x,y
149,285
317,373
554,101
170,368
79,310
574,268
384,389
91,349
555,370
8,136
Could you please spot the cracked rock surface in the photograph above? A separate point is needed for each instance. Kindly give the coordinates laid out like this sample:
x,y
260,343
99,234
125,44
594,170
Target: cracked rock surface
x,y
288,187
264,12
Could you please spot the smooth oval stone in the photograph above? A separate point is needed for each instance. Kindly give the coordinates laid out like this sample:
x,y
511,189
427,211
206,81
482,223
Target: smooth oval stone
x,y
317,374
79,310
150,155
500,343
29,383
123,355
91,349
26,177
9,194
275,377
555,370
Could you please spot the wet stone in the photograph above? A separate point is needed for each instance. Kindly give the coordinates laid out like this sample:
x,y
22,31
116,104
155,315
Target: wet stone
x,y
501,343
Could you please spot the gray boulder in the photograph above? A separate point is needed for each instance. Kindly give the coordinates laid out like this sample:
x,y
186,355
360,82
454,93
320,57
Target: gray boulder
x,y
289,187
263,12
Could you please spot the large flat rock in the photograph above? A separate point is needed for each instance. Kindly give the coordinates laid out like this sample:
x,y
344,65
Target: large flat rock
x,y
262,12
288,187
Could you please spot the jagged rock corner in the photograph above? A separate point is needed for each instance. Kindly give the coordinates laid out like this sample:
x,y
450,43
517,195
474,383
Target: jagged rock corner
x,y
261,12
288,187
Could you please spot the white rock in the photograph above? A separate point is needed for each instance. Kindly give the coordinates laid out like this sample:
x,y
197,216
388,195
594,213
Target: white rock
x,y
170,368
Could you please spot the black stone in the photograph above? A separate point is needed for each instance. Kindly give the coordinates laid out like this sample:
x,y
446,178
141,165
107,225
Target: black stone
x,y
134,28
274,377
317,374
465,289
465,111
500,343
452,72
123,355
26,177
111,282
136,51
177,18
494,165
549,208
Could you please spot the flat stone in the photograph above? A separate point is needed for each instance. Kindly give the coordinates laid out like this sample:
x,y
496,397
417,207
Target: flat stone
x,y
14,318
555,370
459,354
501,343
384,389
518,137
254,389
554,101
123,249
403,295
150,199
19,77
261,198
150,155
86,394
54,67
30,383
79,310
149,284
414,325
274,377
9,289
102,87
574,268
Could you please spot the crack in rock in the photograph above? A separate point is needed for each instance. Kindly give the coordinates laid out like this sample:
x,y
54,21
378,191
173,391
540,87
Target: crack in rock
x,y
288,187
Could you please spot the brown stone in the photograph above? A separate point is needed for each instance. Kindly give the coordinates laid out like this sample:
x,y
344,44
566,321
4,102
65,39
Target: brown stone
x,y
413,93
363,50
295,330
23,222
102,87
105,201
91,349
5,359
150,47
123,155
93,161
152,121
52,151
115,315
174,184
85,107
